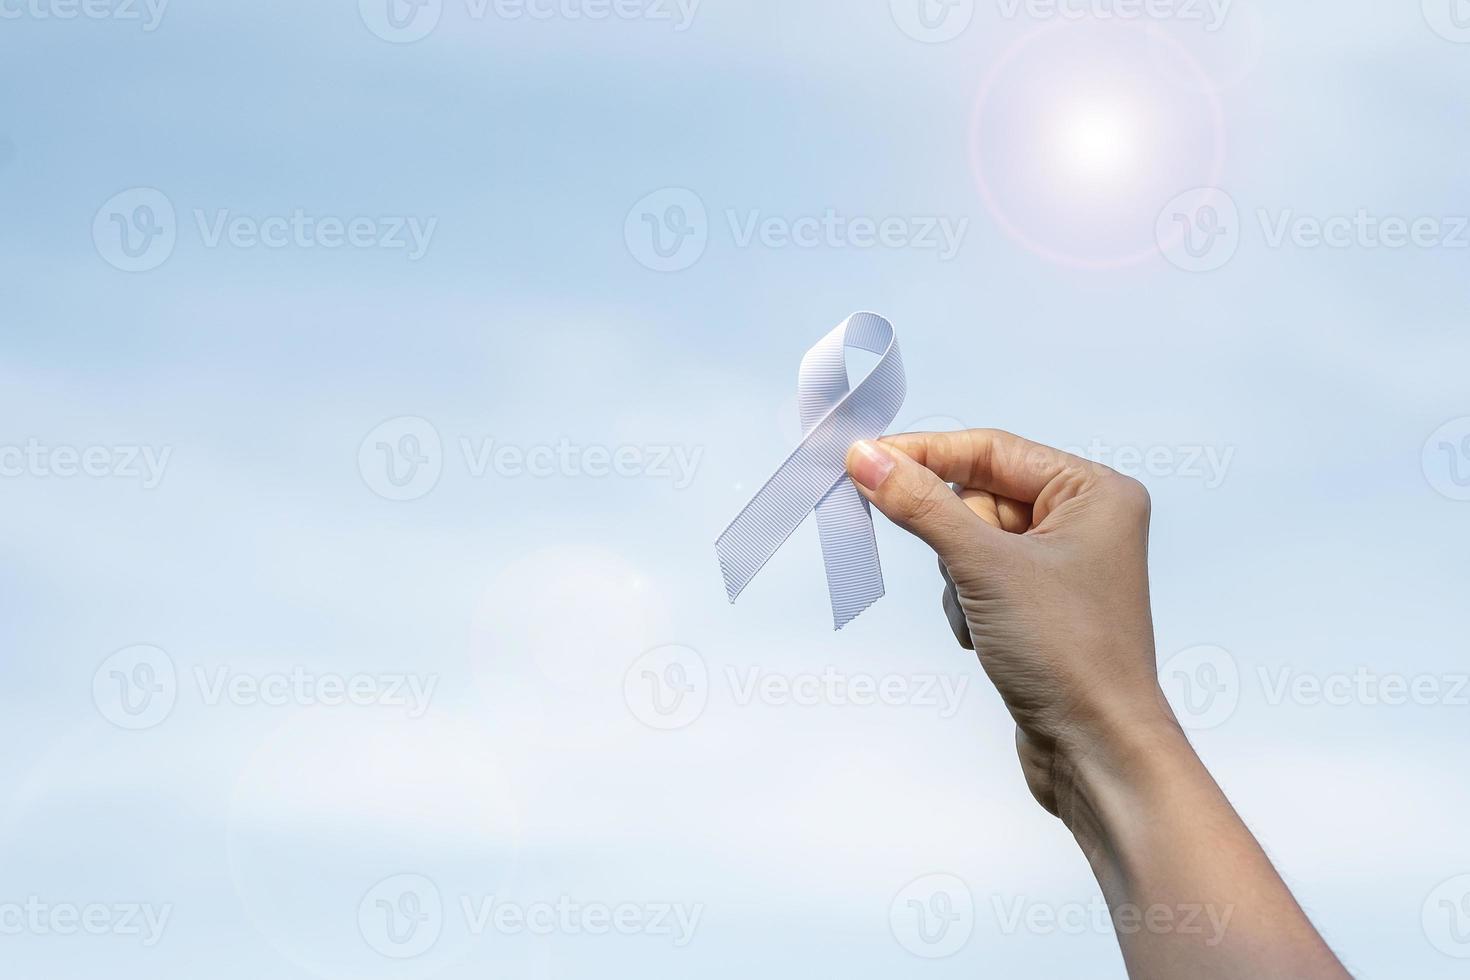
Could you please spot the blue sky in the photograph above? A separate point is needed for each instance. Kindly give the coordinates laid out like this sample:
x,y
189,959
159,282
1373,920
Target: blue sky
x,y
499,619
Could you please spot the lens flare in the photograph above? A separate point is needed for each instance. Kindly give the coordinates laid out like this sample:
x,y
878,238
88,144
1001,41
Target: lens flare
x,y
1078,137
1097,142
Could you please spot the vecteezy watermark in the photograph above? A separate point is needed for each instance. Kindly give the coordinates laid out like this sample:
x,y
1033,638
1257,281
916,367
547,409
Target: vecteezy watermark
x,y
146,13
403,458
669,687
1363,229
487,457
830,687
301,230
35,460
1207,464
1446,917
1450,19
933,916
1020,914
669,230
932,21
568,916
407,21
1201,230
138,229
1210,14
137,687
1446,459
142,921
1363,686
1202,684
403,916
305,688
833,230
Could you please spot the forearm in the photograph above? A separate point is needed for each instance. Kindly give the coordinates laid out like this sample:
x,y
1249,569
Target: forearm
x,y
1191,891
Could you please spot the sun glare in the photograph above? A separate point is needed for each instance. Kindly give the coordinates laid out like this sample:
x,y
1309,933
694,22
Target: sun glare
x,y
1097,142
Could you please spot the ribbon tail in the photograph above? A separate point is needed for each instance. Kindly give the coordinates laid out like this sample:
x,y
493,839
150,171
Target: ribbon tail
x,y
850,553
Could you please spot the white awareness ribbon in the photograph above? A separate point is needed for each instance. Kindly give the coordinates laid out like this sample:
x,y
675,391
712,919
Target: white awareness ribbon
x,y
814,477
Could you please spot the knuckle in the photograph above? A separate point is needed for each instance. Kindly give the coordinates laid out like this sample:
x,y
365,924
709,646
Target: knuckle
x,y
1132,494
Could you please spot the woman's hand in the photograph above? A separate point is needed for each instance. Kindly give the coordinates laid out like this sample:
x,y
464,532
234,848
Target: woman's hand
x,y
1045,558
1045,561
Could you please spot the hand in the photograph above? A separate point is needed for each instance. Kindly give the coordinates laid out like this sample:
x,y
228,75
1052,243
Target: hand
x,y
1045,562
1045,559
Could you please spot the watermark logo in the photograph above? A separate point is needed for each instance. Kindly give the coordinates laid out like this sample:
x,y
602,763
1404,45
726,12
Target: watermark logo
x,y
147,13
1450,19
1446,917
667,688
932,21
401,21
1203,685
1199,230
676,464
835,688
668,230
568,916
136,687
407,21
679,13
1363,686
933,916
136,230
405,915
302,230
830,229
1209,465
401,916
1210,14
1446,459
401,459
1363,229
306,688
130,920
35,460
1020,914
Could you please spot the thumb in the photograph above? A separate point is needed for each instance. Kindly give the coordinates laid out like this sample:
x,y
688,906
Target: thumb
x,y
917,500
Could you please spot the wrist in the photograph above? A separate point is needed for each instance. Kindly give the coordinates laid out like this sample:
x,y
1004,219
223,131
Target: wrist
x,y
1111,777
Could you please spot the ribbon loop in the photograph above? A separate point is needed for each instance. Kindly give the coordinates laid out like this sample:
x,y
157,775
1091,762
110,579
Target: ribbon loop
x,y
814,477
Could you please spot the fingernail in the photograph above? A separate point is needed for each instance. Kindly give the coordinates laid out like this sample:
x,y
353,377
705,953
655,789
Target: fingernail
x,y
869,465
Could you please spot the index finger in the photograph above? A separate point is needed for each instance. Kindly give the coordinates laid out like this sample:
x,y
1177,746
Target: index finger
x,y
989,459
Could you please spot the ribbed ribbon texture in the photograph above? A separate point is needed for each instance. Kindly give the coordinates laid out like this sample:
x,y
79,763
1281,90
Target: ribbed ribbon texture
x,y
814,477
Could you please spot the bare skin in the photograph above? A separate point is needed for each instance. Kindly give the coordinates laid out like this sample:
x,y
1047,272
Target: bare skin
x,y
1045,562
